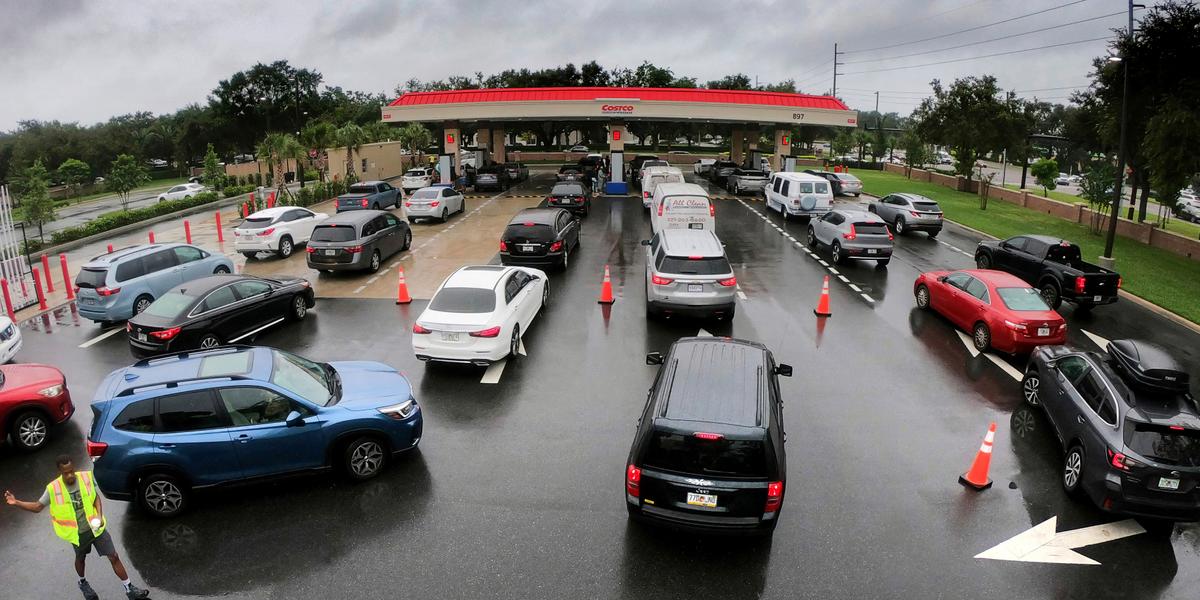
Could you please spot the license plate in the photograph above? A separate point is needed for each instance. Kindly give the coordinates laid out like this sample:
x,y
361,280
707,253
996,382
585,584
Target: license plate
x,y
695,287
449,336
872,251
141,337
1168,483
420,205
528,247
705,500
1096,298
89,300
695,225
330,252
1043,331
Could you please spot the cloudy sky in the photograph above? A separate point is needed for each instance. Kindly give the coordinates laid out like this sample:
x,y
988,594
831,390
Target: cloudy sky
x,y
86,60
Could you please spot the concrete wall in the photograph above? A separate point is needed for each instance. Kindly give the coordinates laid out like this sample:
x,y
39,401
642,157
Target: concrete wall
x,y
383,161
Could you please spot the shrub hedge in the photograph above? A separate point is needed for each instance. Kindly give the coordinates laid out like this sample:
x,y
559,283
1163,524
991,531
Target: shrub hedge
x,y
110,221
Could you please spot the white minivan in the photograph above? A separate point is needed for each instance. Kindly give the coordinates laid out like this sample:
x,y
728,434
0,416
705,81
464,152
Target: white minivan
x,y
798,195
653,176
681,206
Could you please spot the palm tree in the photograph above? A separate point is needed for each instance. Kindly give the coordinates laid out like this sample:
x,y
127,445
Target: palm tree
x,y
416,138
352,137
277,148
319,136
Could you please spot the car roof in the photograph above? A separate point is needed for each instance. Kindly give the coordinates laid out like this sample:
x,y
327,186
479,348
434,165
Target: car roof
x,y
996,278
351,217
1045,239
663,169
117,256
913,197
437,187
271,212
170,370
369,182
716,380
679,189
204,285
541,216
858,215
691,242
477,276
793,176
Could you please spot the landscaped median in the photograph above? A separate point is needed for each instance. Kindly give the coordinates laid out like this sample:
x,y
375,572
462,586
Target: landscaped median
x,y
1163,278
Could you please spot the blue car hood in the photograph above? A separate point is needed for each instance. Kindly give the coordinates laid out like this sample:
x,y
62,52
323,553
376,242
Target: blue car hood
x,y
369,385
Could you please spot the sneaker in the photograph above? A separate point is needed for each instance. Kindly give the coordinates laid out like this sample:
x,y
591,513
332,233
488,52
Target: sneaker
x,y
136,593
88,592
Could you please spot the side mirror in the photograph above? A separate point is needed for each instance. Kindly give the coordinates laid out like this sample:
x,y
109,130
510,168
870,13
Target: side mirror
x,y
654,358
783,370
295,419
645,242
942,279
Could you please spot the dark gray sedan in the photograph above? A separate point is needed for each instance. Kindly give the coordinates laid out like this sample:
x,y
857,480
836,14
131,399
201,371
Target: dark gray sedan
x,y
909,212
357,241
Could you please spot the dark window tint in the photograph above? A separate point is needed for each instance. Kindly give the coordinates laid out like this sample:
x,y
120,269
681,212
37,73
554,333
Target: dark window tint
x,y
256,222
570,189
187,254
695,266
1066,255
691,455
163,259
1035,247
245,289
464,300
426,194
91,278
190,411
1163,444
138,416
1017,243
926,206
360,188
536,232
958,280
131,269
219,298
1091,389
1072,367
870,228
171,305
333,233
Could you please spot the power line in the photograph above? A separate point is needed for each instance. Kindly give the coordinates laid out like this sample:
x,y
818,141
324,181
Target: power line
x,y
814,72
976,28
1065,87
933,16
1005,37
954,60
887,91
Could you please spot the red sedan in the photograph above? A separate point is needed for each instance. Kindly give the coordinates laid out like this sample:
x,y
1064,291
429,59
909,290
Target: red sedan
x,y
999,310
32,399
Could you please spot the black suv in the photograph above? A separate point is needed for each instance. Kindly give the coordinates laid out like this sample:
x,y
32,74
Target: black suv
x,y
1129,424
708,453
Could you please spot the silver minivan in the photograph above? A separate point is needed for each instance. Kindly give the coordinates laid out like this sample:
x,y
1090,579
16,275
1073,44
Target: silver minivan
x,y
687,273
852,234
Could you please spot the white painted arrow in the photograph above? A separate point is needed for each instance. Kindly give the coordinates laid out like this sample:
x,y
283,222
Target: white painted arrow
x,y
704,333
996,360
1041,543
1099,341
967,342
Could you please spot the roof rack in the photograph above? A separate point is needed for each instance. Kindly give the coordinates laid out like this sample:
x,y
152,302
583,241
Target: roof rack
x,y
174,384
186,354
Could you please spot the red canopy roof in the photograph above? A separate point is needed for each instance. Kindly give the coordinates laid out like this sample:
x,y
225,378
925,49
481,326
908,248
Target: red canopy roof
x,y
592,94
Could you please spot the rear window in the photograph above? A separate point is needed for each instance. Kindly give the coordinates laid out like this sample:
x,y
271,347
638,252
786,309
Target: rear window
x,y
569,170
749,173
333,233
91,278
1163,444
845,177
171,305
689,454
926,206
1022,299
414,174
567,190
138,416
256,223
359,188
695,266
655,163
870,228
1067,255
695,203
426,194
464,300
536,232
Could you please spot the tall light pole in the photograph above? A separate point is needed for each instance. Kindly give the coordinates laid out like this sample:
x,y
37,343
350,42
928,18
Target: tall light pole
x,y
1107,260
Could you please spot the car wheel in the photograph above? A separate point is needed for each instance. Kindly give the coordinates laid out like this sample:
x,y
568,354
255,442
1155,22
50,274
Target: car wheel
x,y
836,250
250,255
1051,294
934,233
514,345
364,458
812,238
162,495
285,247
981,336
444,214
566,259
29,430
374,207
407,240
922,295
883,262
375,260
141,304
983,261
210,340
221,270
1031,388
871,209
900,226
1072,474
299,308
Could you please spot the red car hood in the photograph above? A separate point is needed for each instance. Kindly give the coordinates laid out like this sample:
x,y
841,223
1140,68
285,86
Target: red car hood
x,y
29,376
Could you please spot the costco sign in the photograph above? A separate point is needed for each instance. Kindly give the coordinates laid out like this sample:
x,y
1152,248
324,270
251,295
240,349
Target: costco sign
x,y
616,108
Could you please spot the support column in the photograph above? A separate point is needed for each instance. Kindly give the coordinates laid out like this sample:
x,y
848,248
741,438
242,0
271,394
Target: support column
x,y
450,145
616,136
735,145
483,140
499,151
783,148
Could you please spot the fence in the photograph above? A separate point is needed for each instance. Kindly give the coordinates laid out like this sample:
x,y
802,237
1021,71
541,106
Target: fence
x,y
14,266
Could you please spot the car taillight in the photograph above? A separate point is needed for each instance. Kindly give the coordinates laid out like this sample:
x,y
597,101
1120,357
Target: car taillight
x,y
889,232
851,235
774,497
503,246
708,436
107,291
579,200
914,213
165,334
732,281
712,210
490,332
354,249
656,280
660,208
420,330
96,449
556,246
434,204
310,249
1016,326
1079,283
128,326
364,202
645,195
633,481
408,205
1062,327
266,232
1122,462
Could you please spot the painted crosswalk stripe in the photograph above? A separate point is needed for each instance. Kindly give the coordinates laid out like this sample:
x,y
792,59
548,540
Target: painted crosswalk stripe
x,y
103,336
867,298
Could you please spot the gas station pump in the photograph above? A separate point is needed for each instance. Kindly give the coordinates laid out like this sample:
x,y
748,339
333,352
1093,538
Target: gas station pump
x,y
756,157
616,171
445,168
789,164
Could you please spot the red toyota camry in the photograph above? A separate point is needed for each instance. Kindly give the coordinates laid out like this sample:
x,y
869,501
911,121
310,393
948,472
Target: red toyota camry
x,y
999,310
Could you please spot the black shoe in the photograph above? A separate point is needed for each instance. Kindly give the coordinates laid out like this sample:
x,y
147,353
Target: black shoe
x,y
136,593
88,592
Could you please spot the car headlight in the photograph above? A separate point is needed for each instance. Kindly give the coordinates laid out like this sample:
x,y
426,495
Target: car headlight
x,y
401,411
51,391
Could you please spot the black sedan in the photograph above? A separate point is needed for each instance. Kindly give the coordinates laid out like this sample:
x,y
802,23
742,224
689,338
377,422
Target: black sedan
x,y
570,195
1128,424
221,309
540,237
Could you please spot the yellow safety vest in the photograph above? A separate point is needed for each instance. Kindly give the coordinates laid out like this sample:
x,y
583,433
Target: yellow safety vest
x,y
62,512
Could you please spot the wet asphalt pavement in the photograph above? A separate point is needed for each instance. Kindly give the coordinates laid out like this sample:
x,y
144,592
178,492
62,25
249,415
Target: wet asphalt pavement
x,y
517,492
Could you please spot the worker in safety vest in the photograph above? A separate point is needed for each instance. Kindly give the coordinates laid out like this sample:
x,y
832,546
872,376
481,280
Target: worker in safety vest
x,y
78,518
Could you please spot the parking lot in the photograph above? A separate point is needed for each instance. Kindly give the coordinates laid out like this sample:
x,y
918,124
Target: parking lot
x,y
516,491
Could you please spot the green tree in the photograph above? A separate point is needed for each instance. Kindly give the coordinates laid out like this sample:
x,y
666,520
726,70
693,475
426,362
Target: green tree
x,y
319,136
35,197
276,149
214,175
416,137
973,117
916,152
1096,186
1045,171
125,176
862,140
841,145
74,173
351,137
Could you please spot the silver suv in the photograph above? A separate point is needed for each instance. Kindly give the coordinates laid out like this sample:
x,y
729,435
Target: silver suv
x,y
852,234
687,273
909,212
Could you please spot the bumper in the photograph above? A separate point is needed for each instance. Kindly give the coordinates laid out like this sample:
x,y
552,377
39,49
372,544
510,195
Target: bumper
x,y
847,190
148,349
867,252
923,225
1090,300
547,260
714,309
477,351
1016,343
267,244
796,211
9,349
1109,497
361,261
423,212
696,523
750,187
100,312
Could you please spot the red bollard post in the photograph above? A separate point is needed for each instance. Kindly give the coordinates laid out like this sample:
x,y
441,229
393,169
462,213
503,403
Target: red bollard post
x,y
8,300
271,200
220,234
37,286
62,258
110,248
151,237
245,210
46,270
187,231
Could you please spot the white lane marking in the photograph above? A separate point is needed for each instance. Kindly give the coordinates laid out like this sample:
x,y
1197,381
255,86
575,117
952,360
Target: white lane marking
x,y
244,336
967,342
833,270
372,280
790,238
359,289
394,263
97,339
855,288
867,298
703,333
521,347
823,263
843,278
1000,362
1041,543
493,372
741,294
1099,341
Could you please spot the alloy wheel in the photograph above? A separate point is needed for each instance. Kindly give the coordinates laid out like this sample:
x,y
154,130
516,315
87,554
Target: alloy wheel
x,y
163,497
923,297
142,304
366,459
982,337
285,248
299,307
514,345
1072,467
1030,388
209,341
32,431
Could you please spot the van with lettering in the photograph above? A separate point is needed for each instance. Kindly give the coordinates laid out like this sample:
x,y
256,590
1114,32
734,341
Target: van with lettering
x,y
681,206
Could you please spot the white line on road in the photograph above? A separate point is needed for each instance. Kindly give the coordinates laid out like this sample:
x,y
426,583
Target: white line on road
x,y
521,348
1000,362
867,298
493,372
1099,341
967,342
703,333
823,263
372,280
834,271
843,278
360,289
97,339
741,294
856,288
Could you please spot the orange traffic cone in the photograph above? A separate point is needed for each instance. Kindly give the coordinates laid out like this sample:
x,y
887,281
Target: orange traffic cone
x,y
606,295
402,296
822,309
977,477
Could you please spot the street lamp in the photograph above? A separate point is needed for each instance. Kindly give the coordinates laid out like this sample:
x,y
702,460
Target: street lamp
x,y
1107,260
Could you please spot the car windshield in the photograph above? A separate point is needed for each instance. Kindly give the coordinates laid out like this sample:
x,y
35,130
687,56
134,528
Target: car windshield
x,y
689,454
426,194
91,278
1164,444
256,222
567,190
360,188
333,233
1022,299
571,169
312,381
464,300
170,305
718,265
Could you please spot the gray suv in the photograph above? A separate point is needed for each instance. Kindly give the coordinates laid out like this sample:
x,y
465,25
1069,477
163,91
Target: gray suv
x,y
687,273
853,234
909,212
357,241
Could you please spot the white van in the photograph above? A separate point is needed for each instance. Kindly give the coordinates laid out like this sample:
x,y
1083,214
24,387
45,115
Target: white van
x,y
656,175
799,195
681,206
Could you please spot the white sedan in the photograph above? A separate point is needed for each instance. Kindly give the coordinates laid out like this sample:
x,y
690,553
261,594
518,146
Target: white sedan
x,y
702,166
415,179
184,191
478,314
437,202
278,230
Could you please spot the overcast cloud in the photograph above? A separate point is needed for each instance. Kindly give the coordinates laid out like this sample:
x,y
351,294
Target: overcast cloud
x,y
75,60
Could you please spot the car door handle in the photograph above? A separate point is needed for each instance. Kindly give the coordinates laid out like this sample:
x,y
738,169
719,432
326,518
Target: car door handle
x,y
1079,419
167,446
245,437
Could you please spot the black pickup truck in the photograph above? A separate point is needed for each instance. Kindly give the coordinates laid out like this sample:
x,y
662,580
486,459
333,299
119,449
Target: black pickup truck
x,y
1054,266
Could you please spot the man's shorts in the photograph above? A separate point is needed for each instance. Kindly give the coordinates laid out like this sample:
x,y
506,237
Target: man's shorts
x,y
103,545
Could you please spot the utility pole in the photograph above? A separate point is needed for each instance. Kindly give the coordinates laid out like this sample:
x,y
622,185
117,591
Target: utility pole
x,y
1107,260
878,117
836,64
299,165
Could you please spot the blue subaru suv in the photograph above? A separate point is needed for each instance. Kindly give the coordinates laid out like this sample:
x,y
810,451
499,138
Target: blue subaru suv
x,y
123,283
181,422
